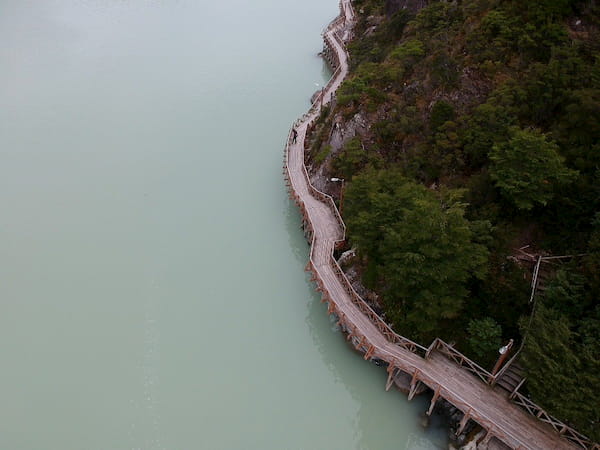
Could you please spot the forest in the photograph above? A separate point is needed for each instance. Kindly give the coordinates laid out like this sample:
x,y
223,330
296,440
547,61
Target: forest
x,y
480,154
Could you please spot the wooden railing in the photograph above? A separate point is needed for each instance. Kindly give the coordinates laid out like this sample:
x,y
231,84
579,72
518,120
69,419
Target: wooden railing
x,y
357,300
562,429
380,324
460,359
389,334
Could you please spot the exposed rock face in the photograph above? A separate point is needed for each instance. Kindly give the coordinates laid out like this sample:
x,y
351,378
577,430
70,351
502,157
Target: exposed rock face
x,y
320,179
340,132
347,257
393,6
345,130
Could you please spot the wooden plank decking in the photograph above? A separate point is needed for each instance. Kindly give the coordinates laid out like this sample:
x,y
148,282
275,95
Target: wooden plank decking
x,y
463,385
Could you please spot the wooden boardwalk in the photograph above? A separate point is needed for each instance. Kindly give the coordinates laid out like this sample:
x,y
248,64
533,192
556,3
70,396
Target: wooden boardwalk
x,y
513,420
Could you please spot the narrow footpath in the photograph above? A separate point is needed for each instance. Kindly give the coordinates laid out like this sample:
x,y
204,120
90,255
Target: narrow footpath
x,y
446,372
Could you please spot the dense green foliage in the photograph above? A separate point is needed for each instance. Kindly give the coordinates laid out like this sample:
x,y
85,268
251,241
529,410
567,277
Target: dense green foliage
x,y
562,353
527,167
419,247
485,338
483,137
563,342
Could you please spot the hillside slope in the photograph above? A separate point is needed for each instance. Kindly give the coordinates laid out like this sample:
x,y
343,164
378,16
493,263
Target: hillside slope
x,y
467,131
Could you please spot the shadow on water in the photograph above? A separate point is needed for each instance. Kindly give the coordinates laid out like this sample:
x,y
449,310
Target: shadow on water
x,y
365,382
298,243
326,71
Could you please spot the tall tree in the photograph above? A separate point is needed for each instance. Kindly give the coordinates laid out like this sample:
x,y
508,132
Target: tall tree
x,y
484,339
527,167
562,361
420,245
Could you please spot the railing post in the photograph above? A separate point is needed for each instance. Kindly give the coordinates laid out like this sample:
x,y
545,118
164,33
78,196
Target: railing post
x,y
514,392
431,348
463,422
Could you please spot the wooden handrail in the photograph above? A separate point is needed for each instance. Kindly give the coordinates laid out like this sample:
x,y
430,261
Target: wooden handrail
x,y
375,318
460,359
559,426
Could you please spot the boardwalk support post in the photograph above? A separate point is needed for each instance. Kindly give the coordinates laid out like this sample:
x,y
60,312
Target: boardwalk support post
x,y
463,422
350,334
391,374
360,343
486,439
434,399
413,385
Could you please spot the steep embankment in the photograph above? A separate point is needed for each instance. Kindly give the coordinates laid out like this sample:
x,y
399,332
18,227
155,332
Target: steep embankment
x,y
468,135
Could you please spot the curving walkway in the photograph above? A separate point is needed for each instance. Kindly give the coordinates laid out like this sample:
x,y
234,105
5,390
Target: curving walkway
x,y
449,374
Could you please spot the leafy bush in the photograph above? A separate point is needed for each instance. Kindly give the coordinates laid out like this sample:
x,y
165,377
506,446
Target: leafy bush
x,y
323,154
408,53
484,339
421,244
438,16
444,70
527,167
559,352
441,112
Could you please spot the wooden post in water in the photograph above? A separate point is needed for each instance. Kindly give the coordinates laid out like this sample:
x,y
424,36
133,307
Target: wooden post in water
x,y
390,380
436,395
463,422
413,385
486,439
331,308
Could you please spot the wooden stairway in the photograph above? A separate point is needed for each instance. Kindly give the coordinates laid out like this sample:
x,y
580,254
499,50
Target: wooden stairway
x,y
512,378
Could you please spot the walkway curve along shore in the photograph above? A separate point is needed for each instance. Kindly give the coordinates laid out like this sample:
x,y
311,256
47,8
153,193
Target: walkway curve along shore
x,y
507,417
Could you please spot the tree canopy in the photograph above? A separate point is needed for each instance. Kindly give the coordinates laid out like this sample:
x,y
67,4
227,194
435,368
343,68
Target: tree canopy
x,y
419,245
479,137
527,168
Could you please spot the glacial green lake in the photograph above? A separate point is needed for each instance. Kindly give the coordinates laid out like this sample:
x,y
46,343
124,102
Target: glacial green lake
x,y
152,286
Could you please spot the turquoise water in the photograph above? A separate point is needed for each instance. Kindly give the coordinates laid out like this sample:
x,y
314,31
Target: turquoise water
x,y
152,288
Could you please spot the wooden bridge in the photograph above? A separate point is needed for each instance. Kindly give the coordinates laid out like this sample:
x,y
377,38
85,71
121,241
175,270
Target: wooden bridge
x,y
508,417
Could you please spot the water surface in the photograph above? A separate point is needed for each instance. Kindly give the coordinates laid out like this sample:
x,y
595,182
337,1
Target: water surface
x,y
152,285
